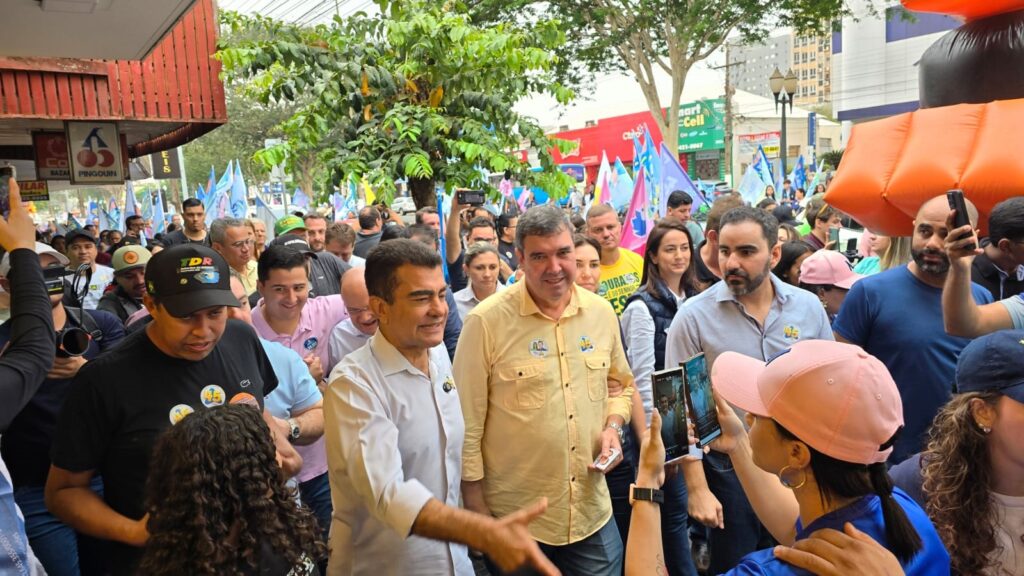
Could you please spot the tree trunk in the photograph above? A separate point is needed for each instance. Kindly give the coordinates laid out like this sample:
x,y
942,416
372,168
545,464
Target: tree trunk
x,y
422,190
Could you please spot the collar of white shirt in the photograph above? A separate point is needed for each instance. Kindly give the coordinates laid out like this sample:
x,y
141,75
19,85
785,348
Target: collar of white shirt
x,y
390,359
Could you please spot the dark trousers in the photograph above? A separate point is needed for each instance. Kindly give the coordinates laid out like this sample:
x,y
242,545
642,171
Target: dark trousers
x,y
743,532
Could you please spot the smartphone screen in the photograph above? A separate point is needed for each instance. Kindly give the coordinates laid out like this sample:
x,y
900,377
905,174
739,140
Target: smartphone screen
x,y
961,218
701,400
833,237
6,174
670,402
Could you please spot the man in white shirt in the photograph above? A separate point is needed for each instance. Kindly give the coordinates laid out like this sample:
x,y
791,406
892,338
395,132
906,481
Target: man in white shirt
x,y
81,249
352,333
394,433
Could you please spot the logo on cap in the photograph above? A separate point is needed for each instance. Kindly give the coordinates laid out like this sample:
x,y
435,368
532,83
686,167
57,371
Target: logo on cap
x,y
130,257
210,276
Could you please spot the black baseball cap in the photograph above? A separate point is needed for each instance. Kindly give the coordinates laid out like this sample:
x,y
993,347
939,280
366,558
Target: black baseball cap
x,y
992,363
189,277
295,243
73,235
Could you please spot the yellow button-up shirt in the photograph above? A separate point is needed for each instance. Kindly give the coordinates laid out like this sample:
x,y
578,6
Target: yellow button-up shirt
x,y
534,393
250,277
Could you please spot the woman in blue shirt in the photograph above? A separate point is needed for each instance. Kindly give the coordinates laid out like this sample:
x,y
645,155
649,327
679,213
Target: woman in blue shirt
x,y
823,417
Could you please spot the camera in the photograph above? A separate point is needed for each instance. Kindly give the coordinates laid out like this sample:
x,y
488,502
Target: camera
x,y
72,341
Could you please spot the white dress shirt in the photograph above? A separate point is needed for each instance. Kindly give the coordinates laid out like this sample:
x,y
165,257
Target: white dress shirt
x,y
102,276
638,332
394,441
466,299
345,339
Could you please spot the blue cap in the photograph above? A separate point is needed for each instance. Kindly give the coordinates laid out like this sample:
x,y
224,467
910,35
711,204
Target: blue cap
x,y
993,363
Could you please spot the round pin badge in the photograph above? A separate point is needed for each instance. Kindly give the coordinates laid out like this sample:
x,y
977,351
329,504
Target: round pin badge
x,y
212,395
179,412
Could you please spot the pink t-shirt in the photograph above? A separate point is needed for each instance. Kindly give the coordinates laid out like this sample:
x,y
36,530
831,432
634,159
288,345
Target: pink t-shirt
x,y
319,317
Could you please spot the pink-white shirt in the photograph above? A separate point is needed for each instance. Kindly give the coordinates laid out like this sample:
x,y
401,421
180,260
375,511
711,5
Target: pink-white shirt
x,y
319,317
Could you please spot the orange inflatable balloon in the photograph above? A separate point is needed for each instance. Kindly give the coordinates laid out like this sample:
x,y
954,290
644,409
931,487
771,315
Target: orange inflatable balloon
x,y
967,9
892,166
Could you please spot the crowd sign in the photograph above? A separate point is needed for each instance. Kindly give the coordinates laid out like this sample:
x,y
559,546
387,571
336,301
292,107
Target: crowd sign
x,y
51,150
702,126
34,190
94,150
165,164
767,140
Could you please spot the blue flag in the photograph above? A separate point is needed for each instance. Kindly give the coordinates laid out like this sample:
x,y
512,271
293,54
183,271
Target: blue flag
x,y
159,218
239,194
798,177
673,178
216,202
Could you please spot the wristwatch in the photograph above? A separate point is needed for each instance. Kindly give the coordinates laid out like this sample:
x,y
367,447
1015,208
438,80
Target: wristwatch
x,y
618,429
645,494
294,431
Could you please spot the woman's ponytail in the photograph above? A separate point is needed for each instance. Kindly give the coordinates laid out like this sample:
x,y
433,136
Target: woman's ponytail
x,y
901,535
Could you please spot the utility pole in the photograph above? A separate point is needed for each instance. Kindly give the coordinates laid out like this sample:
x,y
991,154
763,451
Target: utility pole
x,y
730,90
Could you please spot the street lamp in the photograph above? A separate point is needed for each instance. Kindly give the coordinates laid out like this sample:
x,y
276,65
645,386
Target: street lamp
x,y
784,88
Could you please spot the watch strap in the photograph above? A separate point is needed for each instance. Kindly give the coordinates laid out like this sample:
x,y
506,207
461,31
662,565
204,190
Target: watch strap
x,y
646,494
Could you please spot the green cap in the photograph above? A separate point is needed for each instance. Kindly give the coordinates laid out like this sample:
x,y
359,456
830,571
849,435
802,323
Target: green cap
x,y
287,224
128,257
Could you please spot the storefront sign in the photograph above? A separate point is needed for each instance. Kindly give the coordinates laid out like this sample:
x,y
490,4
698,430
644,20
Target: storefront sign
x,y
94,149
51,150
613,136
767,140
34,190
165,164
702,125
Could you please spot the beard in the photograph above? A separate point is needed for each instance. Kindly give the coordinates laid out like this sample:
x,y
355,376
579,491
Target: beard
x,y
748,284
935,269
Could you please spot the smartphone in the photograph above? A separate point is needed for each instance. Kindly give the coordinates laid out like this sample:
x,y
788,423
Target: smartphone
x,y
851,246
701,400
669,400
833,237
7,173
961,218
471,197
613,457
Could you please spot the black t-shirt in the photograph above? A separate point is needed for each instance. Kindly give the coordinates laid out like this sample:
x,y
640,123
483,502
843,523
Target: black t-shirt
x,y
457,274
704,274
507,251
178,237
325,274
120,403
26,443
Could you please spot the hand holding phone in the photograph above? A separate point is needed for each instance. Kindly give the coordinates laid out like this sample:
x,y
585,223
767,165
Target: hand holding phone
x,y
833,238
701,400
603,464
961,218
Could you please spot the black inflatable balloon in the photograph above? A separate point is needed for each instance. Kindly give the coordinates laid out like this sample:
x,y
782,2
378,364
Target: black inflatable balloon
x,y
979,62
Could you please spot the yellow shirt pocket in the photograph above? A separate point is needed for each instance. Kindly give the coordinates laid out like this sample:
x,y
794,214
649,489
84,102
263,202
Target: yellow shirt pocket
x,y
525,389
597,376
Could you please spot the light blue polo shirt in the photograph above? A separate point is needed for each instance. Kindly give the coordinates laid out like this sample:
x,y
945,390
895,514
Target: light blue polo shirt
x,y
714,322
866,515
1015,306
296,390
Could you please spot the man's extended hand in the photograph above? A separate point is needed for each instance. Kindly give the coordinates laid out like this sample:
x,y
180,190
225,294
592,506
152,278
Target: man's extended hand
x,y
18,231
316,370
652,455
958,241
832,553
609,440
510,546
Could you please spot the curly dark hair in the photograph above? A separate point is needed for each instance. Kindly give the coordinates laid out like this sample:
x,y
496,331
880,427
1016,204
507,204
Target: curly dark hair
x,y
216,498
957,477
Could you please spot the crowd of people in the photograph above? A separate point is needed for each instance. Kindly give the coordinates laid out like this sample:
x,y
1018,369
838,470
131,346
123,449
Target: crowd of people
x,y
473,393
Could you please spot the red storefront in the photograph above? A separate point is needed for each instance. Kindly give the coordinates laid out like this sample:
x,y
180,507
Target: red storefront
x,y
613,136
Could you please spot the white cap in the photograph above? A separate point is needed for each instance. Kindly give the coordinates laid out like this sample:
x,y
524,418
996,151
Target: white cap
x,y
5,264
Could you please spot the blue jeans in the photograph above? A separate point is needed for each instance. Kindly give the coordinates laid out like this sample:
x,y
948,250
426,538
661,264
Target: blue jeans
x,y
61,550
600,554
675,538
316,493
743,532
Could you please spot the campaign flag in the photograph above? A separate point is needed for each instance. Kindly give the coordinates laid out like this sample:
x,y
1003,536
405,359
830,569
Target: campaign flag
x,y
217,202
751,188
267,214
201,194
816,180
211,181
798,176
299,199
602,188
673,178
111,214
74,223
130,207
763,168
652,170
638,217
147,211
159,218
622,186
239,194
441,240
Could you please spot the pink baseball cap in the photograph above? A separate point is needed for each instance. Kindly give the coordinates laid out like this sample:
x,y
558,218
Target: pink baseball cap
x,y
828,267
836,397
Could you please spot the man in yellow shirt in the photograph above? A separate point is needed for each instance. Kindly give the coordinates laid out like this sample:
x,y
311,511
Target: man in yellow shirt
x,y
233,239
621,269
532,367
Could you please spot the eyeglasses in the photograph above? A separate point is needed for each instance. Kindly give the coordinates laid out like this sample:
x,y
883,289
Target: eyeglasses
x,y
243,243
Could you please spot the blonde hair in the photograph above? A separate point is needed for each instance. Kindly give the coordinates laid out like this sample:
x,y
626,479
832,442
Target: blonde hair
x,y
897,254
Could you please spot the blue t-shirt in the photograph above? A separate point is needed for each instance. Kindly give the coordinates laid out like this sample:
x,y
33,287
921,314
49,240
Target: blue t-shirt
x,y
898,319
1015,306
866,515
296,390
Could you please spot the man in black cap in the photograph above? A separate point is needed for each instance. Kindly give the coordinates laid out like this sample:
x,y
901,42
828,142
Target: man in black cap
x,y
81,250
190,357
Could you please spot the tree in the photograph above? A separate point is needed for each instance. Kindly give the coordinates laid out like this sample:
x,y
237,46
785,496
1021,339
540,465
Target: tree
x,y
645,36
418,92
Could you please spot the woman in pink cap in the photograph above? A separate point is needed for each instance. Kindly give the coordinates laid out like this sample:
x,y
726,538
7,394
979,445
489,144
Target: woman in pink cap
x,y
823,417
828,275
